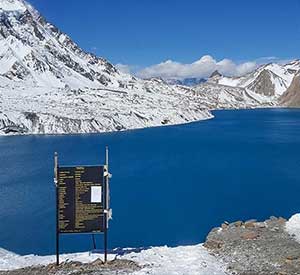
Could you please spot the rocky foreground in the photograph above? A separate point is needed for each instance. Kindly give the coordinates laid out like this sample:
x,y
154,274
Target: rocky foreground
x,y
256,248
241,248
95,268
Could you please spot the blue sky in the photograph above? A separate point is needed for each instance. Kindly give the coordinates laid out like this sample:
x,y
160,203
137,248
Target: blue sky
x,y
141,33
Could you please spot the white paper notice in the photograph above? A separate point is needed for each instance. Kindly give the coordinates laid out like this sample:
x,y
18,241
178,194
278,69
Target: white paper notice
x,y
96,194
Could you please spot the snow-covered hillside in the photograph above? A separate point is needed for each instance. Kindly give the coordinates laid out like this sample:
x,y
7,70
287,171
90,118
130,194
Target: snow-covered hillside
x,y
48,84
65,110
217,96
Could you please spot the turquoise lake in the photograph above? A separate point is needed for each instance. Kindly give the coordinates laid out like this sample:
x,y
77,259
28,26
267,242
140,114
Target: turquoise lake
x,y
171,185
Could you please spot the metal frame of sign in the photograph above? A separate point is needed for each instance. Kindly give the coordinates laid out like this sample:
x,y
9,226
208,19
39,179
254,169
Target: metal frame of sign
x,y
106,210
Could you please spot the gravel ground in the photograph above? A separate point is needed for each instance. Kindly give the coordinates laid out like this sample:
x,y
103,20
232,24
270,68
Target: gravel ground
x,y
256,248
97,267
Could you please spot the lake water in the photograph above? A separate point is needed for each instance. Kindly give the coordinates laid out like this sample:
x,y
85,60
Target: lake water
x,y
170,185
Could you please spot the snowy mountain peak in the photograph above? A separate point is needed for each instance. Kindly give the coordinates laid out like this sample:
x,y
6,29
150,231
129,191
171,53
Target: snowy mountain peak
x,y
12,5
215,74
36,52
293,65
269,80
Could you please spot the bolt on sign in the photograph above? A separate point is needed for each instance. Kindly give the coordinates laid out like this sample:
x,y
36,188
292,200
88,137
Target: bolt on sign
x,y
82,194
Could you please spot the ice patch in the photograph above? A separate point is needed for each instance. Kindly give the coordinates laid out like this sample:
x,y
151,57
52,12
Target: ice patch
x,y
293,227
189,260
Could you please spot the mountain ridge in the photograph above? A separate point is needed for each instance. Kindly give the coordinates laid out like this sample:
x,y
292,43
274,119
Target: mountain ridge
x,y
49,85
268,79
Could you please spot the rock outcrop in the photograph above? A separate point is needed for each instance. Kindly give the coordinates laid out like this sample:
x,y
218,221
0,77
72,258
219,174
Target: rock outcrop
x,y
256,248
215,74
291,98
263,84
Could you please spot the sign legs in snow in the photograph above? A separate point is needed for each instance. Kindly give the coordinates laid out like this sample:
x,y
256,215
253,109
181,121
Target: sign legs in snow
x,y
82,200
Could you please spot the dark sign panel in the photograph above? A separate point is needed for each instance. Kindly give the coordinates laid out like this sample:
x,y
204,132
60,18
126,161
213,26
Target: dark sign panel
x,y
81,198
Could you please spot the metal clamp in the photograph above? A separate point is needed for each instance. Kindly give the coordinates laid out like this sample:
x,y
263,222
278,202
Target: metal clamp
x,y
108,212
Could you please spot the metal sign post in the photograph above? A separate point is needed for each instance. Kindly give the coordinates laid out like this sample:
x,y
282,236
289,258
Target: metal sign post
x,y
82,200
57,202
106,174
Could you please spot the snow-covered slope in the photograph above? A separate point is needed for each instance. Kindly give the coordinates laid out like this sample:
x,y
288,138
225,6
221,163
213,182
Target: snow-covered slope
x,y
36,52
189,260
217,96
37,110
293,226
48,84
270,80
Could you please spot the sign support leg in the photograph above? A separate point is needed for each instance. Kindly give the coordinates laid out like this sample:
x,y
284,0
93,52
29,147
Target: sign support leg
x,y
105,244
57,236
57,201
57,230
106,207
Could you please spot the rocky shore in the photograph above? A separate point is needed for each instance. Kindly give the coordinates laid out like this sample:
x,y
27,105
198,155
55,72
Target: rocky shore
x,y
256,248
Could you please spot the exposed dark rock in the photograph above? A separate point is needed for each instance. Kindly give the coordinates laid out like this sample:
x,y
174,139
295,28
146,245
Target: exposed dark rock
x,y
165,121
215,74
14,130
17,70
31,116
37,33
263,84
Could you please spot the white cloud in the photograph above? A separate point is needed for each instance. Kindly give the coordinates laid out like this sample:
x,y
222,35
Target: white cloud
x,y
201,68
127,69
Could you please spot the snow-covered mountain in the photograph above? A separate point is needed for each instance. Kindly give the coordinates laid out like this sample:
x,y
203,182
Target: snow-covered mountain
x,y
48,84
270,80
36,52
217,96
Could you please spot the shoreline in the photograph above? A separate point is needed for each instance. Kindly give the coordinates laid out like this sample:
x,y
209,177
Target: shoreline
x,y
154,126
